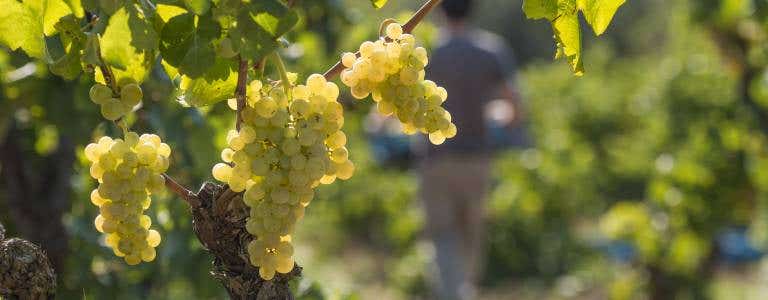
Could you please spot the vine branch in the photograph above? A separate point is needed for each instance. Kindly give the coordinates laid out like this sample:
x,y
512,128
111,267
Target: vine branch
x,y
407,28
183,192
242,81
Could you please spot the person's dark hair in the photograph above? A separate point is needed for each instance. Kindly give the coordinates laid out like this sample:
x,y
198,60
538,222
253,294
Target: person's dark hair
x,y
457,9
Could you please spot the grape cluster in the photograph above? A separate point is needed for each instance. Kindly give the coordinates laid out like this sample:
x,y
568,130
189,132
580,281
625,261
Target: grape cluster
x,y
113,108
391,70
288,144
128,171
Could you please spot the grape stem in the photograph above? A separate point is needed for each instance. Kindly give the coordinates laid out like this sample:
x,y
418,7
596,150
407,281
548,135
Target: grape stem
x,y
283,73
407,28
182,191
242,81
106,71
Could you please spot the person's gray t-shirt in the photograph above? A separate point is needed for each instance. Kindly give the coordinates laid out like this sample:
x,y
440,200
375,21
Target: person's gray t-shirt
x,y
472,67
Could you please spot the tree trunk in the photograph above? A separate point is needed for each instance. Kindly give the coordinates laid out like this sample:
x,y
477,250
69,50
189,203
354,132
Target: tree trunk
x,y
218,217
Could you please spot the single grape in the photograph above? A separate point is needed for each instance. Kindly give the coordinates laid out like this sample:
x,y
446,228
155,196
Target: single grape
x,y
100,93
130,94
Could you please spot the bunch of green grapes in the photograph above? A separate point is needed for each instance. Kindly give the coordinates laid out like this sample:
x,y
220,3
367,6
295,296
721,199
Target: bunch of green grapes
x,y
289,143
128,171
114,107
392,71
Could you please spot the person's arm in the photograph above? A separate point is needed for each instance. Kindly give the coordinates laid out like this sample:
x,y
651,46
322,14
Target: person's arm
x,y
509,93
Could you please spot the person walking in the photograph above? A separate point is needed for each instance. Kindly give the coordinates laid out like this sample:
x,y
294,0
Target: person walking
x,y
475,67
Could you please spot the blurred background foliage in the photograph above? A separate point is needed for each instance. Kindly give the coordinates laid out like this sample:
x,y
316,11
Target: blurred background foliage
x,y
647,177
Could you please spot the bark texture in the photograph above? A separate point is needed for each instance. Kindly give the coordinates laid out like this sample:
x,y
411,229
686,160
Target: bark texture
x,y
25,272
218,218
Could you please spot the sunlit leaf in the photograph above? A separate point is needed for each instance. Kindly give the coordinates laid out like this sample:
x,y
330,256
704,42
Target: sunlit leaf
x,y
20,27
218,84
599,13
568,36
538,9
76,7
166,12
53,11
128,44
378,3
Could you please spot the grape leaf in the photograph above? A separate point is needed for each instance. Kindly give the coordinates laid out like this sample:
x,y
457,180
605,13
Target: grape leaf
x,y
273,16
378,3
166,12
111,6
91,51
599,13
216,85
76,7
129,44
538,9
73,41
20,28
199,7
68,66
563,14
188,45
259,25
568,36
54,10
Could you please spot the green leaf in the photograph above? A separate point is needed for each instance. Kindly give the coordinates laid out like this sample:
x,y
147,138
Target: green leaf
x,y
111,6
273,16
218,84
259,25
568,37
599,13
68,66
188,45
166,12
378,3
199,7
91,51
129,44
69,31
538,9
54,11
76,7
73,41
170,70
21,28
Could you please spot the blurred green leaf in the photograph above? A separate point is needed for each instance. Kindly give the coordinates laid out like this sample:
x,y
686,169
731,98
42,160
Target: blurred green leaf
x,y
166,12
76,7
199,7
538,9
378,3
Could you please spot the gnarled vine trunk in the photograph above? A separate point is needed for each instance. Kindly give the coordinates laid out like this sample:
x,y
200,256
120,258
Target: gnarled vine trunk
x,y
218,218
25,272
